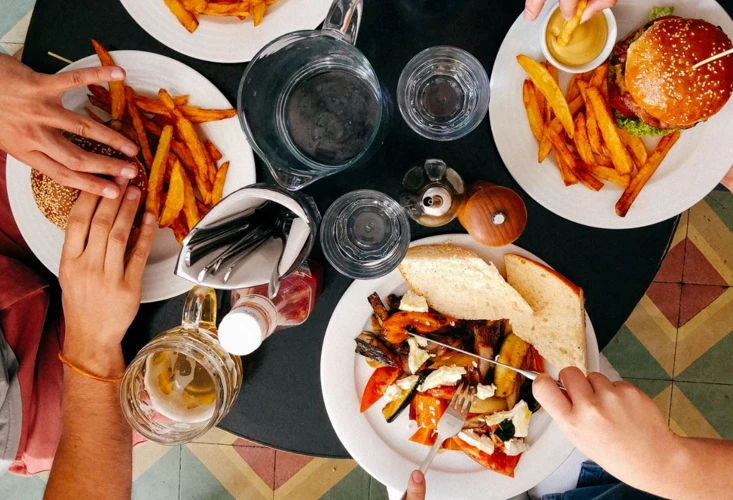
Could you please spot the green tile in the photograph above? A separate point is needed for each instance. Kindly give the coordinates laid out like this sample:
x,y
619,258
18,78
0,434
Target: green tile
x,y
160,481
651,387
713,366
714,402
355,486
2,50
722,204
197,482
21,488
377,491
631,358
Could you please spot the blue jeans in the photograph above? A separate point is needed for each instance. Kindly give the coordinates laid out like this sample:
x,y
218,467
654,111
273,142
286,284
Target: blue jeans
x,y
595,483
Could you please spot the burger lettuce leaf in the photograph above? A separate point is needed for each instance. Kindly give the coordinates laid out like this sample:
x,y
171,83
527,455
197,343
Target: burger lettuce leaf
x,y
658,12
638,128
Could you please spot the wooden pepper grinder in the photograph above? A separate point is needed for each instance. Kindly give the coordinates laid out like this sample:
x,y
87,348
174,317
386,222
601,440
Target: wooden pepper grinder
x,y
493,215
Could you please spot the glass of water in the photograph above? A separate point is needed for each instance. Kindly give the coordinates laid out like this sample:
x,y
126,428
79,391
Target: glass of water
x,y
365,234
310,103
443,93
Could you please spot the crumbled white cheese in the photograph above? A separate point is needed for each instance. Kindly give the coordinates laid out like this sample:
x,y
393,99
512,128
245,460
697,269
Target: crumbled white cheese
x,y
417,356
474,364
413,302
445,375
392,392
483,443
485,391
519,415
515,446
407,382
421,341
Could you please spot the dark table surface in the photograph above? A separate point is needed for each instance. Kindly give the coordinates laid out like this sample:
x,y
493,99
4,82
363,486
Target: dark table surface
x,y
280,404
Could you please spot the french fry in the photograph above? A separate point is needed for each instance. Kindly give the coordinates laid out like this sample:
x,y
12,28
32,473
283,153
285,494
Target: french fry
x,y
213,150
584,175
571,24
636,147
239,9
125,129
137,123
545,146
619,154
186,18
599,78
157,172
555,76
218,190
610,174
116,88
194,5
545,83
203,209
573,90
645,173
190,208
175,197
180,229
564,157
258,13
582,143
152,106
199,115
602,160
181,100
534,114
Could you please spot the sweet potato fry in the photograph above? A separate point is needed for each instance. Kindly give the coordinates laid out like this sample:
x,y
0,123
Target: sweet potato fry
x,y
125,129
190,208
564,157
645,173
546,84
186,18
152,106
571,24
636,147
619,154
116,89
157,172
174,199
610,174
199,115
94,116
534,114
213,150
137,123
218,190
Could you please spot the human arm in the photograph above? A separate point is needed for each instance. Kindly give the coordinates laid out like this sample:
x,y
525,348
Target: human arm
x,y
101,296
619,427
532,8
728,180
33,118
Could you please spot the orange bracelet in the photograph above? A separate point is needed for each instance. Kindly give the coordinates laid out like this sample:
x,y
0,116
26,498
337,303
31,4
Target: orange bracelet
x,y
86,373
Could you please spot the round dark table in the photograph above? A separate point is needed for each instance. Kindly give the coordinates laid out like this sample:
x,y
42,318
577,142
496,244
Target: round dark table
x,y
281,404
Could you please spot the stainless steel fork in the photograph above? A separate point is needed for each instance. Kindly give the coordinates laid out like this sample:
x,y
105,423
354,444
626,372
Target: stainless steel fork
x,y
450,423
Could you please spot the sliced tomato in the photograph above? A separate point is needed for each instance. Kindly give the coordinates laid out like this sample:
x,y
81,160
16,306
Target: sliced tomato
x,y
424,436
376,386
534,361
395,328
443,392
497,461
428,410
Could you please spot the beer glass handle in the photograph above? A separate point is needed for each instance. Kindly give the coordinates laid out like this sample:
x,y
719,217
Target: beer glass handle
x,y
345,17
200,309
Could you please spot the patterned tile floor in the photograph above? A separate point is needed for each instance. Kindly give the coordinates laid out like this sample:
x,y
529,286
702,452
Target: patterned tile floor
x,y
676,346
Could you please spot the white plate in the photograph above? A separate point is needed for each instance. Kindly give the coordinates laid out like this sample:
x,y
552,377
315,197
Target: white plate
x,y
226,39
692,169
146,73
383,449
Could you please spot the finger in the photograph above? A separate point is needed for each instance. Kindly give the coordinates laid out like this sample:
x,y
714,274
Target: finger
x,y
78,160
567,7
576,384
728,180
139,256
89,183
596,6
416,486
550,397
599,382
69,80
86,127
532,9
100,228
119,235
77,227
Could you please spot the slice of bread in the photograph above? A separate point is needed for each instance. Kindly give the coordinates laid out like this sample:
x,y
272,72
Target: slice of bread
x,y
559,312
457,282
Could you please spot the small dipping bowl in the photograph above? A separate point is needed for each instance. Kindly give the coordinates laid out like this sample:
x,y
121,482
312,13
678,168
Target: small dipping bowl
x,y
600,59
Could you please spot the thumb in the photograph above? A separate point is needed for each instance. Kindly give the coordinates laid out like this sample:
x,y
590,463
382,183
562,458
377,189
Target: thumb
x,y
416,486
550,397
596,6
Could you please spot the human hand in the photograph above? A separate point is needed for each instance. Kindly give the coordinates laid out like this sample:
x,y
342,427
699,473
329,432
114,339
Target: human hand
x,y
613,423
100,292
33,118
415,486
532,8
728,180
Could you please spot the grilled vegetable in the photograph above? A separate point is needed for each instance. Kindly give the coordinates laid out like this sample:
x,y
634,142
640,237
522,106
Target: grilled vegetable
x,y
454,358
369,346
490,405
395,407
393,301
377,385
485,336
397,325
428,410
380,311
513,352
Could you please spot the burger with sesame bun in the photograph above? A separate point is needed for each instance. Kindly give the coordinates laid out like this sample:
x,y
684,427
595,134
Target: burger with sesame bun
x,y
55,201
653,88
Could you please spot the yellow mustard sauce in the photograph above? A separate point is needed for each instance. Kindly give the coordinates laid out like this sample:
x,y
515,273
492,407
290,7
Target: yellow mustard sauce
x,y
586,43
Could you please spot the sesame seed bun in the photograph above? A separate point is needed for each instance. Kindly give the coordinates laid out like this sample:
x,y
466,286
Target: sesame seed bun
x,y
660,78
55,201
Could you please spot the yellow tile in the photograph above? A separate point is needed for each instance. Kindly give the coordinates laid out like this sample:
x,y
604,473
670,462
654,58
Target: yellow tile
x,y
681,232
145,455
216,436
685,420
315,479
654,331
228,467
662,401
713,238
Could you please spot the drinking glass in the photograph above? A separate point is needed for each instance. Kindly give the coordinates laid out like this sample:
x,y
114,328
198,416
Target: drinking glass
x,y
310,103
443,93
